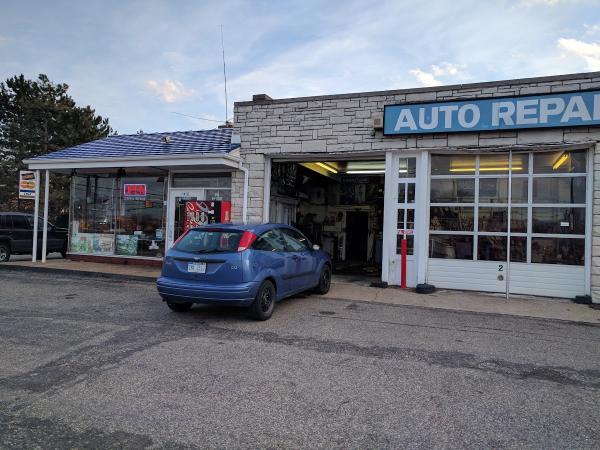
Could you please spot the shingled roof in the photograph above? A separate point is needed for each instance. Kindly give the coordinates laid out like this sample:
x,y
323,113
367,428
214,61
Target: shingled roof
x,y
149,144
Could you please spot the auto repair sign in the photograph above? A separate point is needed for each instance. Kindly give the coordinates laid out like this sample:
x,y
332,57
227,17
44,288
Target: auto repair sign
x,y
506,113
27,185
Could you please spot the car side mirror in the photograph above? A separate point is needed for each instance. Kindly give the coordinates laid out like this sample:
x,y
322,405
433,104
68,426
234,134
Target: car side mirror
x,y
316,247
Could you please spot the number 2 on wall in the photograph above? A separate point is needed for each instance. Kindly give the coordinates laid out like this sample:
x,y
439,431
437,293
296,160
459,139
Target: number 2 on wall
x,y
500,267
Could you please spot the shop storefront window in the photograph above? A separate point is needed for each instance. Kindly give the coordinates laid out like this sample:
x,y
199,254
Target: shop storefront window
x,y
113,215
140,220
547,213
92,227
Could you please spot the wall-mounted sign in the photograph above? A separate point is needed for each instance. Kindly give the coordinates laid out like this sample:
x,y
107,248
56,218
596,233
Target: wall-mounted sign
x,y
134,191
198,213
27,183
505,113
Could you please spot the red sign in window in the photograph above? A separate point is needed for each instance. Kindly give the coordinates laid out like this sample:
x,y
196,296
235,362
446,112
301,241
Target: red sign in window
x,y
134,190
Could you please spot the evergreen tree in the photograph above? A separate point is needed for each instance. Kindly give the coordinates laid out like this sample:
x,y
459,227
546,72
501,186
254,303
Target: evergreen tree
x,y
39,117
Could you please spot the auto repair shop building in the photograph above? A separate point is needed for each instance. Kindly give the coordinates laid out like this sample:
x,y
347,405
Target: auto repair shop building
x,y
491,184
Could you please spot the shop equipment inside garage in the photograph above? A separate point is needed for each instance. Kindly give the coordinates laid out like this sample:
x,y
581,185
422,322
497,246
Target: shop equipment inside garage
x,y
337,205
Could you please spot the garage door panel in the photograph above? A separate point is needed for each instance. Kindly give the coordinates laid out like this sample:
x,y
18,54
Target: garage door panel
x,y
469,275
553,280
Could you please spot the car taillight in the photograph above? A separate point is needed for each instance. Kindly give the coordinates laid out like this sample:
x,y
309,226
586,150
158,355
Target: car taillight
x,y
246,240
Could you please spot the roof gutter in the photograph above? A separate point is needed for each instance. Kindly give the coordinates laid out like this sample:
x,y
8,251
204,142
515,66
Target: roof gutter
x,y
131,161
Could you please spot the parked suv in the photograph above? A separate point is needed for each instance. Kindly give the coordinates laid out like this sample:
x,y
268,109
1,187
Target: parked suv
x,y
16,236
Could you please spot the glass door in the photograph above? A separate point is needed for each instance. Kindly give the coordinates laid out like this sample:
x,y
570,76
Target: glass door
x,y
406,213
403,220
186,210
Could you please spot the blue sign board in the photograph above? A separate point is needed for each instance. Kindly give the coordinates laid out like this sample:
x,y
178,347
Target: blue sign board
x,y
501,113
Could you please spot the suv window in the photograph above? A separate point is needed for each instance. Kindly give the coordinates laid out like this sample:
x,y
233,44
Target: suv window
x,y
40,223
270,241
4,222
294,241
20,223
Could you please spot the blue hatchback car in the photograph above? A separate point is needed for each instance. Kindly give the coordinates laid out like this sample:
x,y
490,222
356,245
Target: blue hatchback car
x,y
242,265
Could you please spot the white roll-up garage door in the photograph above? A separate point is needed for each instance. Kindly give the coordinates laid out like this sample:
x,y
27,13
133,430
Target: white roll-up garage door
x,y
533,206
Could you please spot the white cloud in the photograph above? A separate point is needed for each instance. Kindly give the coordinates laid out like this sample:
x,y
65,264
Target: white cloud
x,y
425,78
170,90
592,29
540,2
589,52
445,69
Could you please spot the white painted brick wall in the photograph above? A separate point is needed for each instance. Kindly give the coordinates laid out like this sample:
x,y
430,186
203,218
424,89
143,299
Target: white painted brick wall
x,y
343,124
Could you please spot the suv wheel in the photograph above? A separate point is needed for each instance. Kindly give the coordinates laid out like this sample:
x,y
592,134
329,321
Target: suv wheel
x,y
4,252
264,303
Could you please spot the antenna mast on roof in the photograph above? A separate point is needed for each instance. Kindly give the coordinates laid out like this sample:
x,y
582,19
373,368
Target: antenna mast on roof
x,y
224,75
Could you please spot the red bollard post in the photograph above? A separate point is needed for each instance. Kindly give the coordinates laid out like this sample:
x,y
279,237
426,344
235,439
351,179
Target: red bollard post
x,y
403,263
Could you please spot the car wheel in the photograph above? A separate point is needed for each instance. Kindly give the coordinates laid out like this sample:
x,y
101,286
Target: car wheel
x,y
264,303
63,251
4,252
324,281
179,307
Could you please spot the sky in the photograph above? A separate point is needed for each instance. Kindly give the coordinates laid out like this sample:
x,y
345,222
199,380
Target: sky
x,y
143,64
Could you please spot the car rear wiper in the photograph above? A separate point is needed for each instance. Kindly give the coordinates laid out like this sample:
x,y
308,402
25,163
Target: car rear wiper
x,y
214,250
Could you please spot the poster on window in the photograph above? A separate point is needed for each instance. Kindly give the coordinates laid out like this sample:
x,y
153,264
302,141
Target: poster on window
x,y
92,243
127,244
198,213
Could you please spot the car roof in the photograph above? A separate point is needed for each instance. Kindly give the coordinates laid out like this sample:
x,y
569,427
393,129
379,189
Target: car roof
x,y
256,228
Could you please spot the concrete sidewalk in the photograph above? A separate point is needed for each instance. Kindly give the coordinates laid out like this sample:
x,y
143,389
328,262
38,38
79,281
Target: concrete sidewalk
x,y
517,305
540,307
68,267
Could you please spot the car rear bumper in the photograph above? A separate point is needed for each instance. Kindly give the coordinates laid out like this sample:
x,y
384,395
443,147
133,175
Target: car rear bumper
x,y
236,294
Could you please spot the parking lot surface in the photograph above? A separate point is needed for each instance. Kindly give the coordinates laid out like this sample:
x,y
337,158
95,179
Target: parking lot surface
x,y
91,363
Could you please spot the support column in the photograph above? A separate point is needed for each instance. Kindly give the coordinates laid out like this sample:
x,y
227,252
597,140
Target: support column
x,y
422,217
593,223
36,213
45,234
390,214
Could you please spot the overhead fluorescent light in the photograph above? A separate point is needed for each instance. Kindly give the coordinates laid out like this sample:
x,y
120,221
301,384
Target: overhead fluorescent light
x,y
365,165
326,167
560,161
486,169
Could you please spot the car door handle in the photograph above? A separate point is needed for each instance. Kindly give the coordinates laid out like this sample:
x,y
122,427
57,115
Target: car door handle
x,y
295,257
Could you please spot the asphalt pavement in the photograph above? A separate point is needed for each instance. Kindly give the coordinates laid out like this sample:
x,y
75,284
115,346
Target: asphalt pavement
x,y
94,363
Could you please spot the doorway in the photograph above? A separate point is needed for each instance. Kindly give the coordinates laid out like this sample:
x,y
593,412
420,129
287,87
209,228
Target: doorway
x,y
176,214
337,204
357,232
405,217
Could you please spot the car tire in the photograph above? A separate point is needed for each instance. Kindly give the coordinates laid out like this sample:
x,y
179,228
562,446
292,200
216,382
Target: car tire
x,y
264,303
324,281
4,252
179,307
63,251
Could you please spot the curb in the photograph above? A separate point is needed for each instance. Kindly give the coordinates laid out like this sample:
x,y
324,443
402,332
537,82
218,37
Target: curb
x,y
463,311
81,273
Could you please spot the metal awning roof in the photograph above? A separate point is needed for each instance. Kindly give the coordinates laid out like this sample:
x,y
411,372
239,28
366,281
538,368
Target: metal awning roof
x,y
186,148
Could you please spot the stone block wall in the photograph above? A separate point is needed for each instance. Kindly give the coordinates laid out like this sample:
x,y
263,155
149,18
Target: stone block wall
x,y
343,124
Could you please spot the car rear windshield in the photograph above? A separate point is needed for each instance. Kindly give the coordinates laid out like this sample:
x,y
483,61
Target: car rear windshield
x,y
210,241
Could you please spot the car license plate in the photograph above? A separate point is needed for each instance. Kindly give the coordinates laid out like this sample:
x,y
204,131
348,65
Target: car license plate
x,y
197,267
